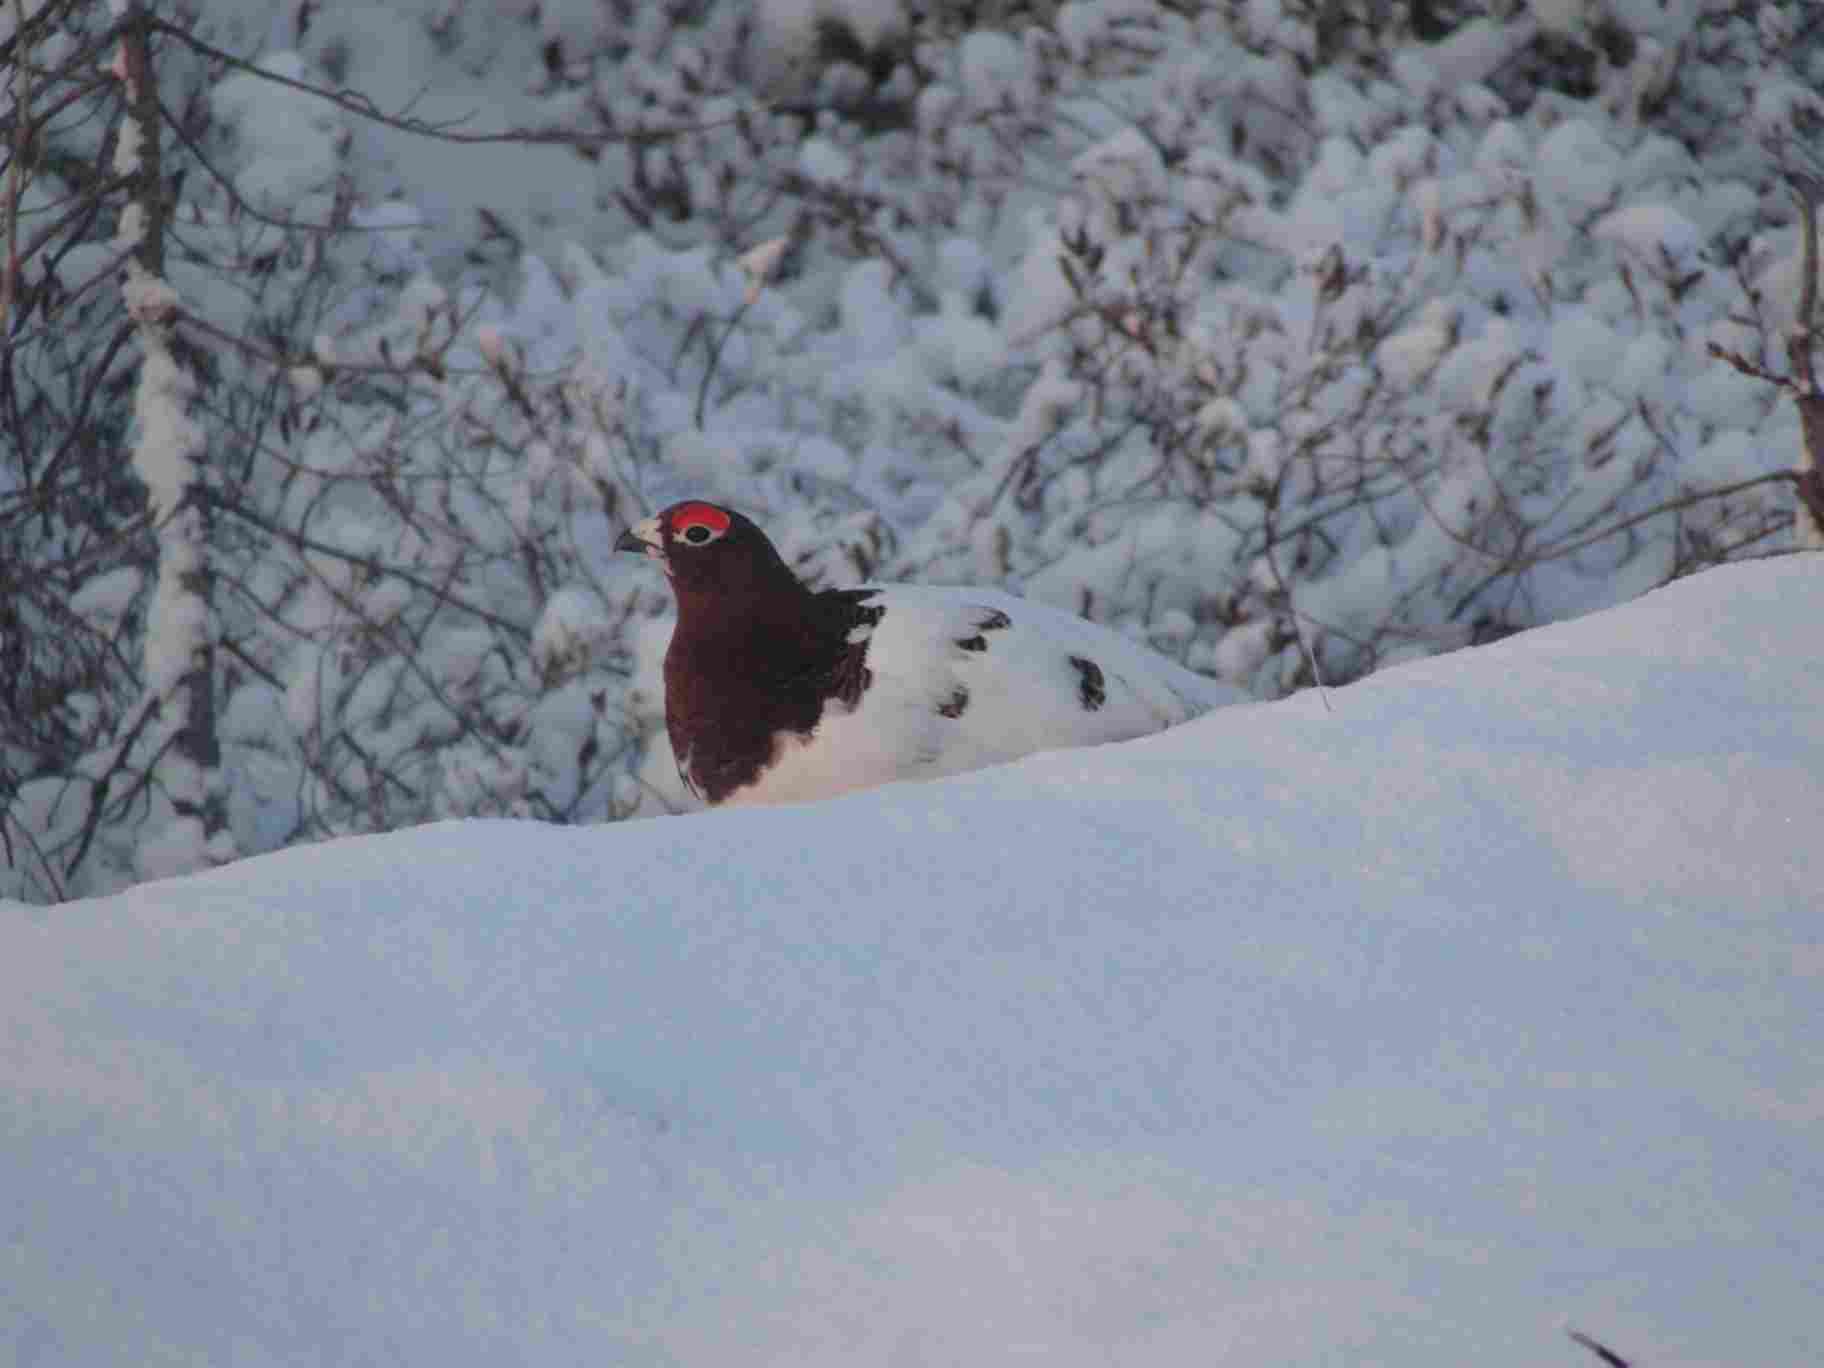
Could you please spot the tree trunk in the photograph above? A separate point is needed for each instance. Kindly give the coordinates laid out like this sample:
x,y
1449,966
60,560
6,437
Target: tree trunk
x,y
170,455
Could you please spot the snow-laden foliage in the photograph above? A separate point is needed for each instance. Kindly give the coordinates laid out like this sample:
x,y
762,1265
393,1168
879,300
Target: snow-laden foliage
x,y
452,614
1200,323
1386,322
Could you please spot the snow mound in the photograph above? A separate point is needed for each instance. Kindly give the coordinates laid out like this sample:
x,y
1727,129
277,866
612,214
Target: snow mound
x,y
1403,1033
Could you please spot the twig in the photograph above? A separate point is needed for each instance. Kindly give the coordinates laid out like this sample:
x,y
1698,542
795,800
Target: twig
x,y
356,103
439,592
713,362
1271,509
1800,381
240,204
15,176
1603,1352
99,790
1810,487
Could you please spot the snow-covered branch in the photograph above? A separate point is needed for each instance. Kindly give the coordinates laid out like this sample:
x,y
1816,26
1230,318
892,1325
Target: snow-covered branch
x,y
170,449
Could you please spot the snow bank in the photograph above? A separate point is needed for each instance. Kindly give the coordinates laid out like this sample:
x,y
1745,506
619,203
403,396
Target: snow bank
x,y
1405,1033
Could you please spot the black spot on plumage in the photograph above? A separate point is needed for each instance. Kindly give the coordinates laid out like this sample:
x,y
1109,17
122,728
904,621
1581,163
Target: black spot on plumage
x,y
851,677
991,620
852,681
953,706
1092,687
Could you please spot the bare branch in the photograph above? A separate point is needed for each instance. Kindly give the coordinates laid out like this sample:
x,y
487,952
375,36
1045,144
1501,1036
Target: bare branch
x,y
438,591
1607,1355
449,130
15,174
1810,192
1799,344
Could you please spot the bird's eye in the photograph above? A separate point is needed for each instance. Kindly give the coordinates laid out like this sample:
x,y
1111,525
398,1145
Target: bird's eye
x,y
697,523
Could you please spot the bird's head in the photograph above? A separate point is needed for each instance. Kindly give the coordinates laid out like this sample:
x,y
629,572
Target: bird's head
x,y
710,550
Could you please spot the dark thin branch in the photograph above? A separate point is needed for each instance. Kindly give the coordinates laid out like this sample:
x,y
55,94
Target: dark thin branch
x,y
305,543
1571,545
23,128
428,363
449,130
46,868
1800,381
1607,1355
98,791
94,382
1810,192
242,206
1799,344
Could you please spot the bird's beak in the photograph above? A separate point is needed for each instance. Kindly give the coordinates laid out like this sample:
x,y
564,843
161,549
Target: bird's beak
x,y
643,538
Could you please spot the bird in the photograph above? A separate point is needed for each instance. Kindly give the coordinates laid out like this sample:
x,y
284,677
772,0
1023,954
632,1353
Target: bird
x,y
779,693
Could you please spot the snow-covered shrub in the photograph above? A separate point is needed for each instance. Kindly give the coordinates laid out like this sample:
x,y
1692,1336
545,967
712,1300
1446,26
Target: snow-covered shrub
x,y
1487,361
70,600
393,610
1392,321
1176,321
107,713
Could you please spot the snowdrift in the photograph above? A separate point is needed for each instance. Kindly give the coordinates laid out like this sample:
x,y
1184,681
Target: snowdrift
x,y
1410,1033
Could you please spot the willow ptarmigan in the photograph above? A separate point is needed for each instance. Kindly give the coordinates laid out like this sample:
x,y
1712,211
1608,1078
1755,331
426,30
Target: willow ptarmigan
x,y
776,694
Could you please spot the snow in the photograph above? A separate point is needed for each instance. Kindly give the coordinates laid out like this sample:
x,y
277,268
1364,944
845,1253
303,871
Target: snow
x,y
106,598
1491,1002
287,140
569,628
1580,165
1652,232
1466,58
1410,355
1568,17
823,162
